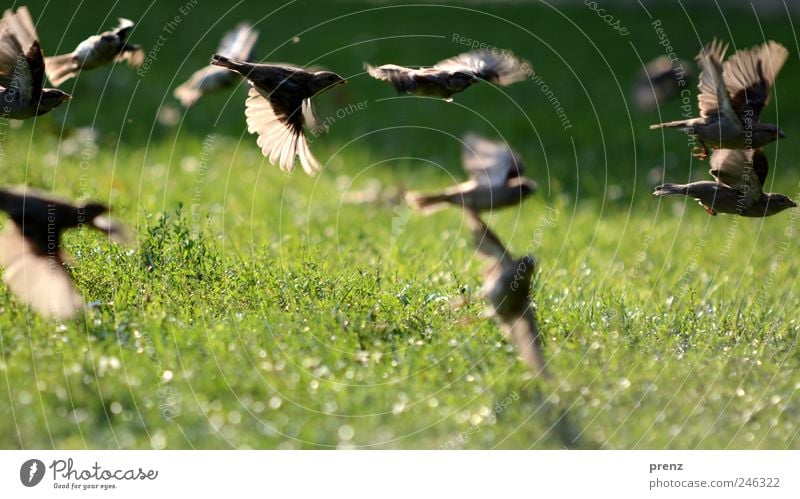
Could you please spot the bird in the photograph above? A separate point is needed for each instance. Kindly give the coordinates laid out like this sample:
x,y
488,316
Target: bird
x,y
97,50
238,44
737,188
22,69
659,81
277,107
496,179
732,97
31,252
455,74
507,285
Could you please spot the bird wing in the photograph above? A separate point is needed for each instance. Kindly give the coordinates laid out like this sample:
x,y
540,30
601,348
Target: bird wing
x,y
18,39
500,67
487,243
713,98
741,169
489,162
124,28
132,54
402,79
749,75
277,118
524,332
238,43
36,279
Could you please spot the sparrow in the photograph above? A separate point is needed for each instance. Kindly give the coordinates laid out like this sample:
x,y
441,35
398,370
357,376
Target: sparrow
x,y
30,248
277,107
238,44
732,97
507,284
737,189
454,75
659,81
496,179
22,69
98,50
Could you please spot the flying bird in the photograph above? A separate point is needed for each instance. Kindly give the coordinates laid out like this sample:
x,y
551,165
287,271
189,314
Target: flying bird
x,y
507,284
30,248
658,82
278,106
22,69
732,97
738,186
454,75
97,50
237,44
497,179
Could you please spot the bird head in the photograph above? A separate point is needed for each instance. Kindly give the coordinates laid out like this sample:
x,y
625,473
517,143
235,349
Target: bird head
x,y
92,210
52,98
324,80
770,131
778,202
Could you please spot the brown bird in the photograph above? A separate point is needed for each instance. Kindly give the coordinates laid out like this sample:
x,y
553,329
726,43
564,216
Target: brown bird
x,y
453,75
738,186
236,44
732,97
30,248
22,69
278,106
97,50
496,179
658,82
507,284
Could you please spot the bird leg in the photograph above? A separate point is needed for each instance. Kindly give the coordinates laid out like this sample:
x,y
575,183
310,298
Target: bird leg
x,y
700,153
710,211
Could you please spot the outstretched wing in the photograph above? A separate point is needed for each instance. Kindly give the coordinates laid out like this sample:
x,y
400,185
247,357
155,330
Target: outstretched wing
x,y
277,118
490,162
238,43
749,75
21,58
487,243
713,98
741,169
36,279
500,67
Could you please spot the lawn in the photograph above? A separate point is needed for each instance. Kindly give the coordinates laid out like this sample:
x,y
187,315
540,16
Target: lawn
x,y
260,310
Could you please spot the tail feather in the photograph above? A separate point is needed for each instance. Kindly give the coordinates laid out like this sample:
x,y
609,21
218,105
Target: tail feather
x,y
672,124
426,203
670,189
60,68
240,67
188,94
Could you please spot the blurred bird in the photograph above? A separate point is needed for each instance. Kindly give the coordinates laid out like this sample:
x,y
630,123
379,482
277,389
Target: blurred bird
x,y
738,186
732,97
496,179
22,69
453,75
238,44
278,106
30,248
98,50
658,82
507,284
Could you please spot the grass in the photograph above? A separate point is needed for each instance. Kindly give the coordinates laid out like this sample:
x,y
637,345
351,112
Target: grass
x,y
258,310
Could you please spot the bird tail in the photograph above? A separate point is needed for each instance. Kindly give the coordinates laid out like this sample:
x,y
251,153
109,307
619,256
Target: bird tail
x,y
670,189
60,68
240,67
672,124
426,203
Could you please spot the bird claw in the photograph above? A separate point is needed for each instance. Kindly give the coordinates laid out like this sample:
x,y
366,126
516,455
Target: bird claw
x,y
700,153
